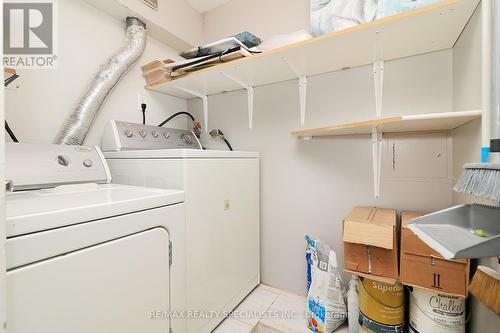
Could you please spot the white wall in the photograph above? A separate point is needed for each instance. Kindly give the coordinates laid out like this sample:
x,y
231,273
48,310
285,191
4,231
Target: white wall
x,y
174,22
467,140
308,187
260,17
175,16
86,38
3,287
467,96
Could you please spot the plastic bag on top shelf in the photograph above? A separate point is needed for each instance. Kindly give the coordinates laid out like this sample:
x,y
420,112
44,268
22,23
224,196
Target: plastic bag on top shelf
x,y
326,306
391,7
333,15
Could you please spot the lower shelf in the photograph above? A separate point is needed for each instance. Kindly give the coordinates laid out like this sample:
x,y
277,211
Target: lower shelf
x,y
413,123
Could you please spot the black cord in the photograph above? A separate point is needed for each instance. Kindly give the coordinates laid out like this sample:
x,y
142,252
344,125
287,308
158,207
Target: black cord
x,y
193,63
228,144
9,131
9,80
175,115
143,108
223,137
6,82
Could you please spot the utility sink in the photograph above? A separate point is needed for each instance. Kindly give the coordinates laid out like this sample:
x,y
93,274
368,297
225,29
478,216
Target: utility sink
x,y
465,231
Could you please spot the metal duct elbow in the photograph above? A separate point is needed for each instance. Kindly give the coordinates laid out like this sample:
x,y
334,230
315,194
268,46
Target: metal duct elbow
x,y
77,125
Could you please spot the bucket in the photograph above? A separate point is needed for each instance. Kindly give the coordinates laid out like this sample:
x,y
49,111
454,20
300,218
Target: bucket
x,y
436,313
381,307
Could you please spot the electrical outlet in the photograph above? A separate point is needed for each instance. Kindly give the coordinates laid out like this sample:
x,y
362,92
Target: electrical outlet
x,y
140,100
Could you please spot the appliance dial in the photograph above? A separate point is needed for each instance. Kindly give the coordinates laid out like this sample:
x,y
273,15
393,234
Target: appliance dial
x,y
166,135
154,134
128,133
63,160
142,133
187,138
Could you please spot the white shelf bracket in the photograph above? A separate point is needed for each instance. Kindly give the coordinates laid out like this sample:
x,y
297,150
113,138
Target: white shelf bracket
x,y
378,76
303,98
378,72
250,96
250,92
204,98
302,89
377,159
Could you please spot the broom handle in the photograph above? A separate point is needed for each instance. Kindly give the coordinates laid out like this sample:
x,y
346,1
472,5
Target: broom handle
x,y
486,79
495,98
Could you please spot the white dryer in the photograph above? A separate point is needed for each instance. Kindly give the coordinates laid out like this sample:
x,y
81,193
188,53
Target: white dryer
x,y
84,255
222,210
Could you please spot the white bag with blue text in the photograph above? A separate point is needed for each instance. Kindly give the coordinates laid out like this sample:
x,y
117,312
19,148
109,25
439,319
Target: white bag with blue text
x,y
326,304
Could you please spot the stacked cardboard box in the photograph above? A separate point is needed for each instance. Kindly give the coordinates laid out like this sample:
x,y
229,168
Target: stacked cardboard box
x,y
159,71
155,71
371,249
423,267
371,243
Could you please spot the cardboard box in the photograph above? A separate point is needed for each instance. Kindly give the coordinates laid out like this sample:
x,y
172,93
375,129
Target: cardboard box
x,y
371,243
423,267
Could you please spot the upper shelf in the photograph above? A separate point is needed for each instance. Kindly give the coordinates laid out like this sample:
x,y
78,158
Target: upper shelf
x,y
414,123
427,29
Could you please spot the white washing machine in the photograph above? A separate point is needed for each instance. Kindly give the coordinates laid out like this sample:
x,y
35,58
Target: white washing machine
x,y
84,255
222,210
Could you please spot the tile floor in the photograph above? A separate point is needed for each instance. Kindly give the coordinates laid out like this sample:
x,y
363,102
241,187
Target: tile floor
x,y
269,310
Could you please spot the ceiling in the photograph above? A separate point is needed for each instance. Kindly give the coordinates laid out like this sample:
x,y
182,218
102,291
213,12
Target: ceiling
x,y
206,5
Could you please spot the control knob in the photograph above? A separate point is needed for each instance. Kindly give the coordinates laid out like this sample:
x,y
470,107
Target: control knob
x,y
142,133
187,138
63,160
128,133
154,134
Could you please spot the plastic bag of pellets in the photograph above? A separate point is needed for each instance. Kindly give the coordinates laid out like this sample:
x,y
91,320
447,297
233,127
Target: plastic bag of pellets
x,y
326,306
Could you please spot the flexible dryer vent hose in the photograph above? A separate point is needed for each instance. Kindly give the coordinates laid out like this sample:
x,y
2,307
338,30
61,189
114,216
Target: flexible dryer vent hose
x,y
77,125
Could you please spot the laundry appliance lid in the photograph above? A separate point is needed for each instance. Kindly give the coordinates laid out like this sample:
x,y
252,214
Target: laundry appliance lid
x,y
37,210
178,153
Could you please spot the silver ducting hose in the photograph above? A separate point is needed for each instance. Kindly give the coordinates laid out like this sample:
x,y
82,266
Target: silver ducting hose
x,y
76,127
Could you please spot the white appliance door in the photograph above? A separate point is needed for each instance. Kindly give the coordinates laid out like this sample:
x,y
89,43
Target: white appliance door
x,y
112,287
223,252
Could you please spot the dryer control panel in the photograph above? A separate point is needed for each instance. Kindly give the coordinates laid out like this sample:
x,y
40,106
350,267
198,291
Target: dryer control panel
x,y
120,135
36,166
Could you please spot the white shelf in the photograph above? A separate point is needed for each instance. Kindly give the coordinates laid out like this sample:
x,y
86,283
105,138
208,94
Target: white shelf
x,y
402,124
413,123
427,29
